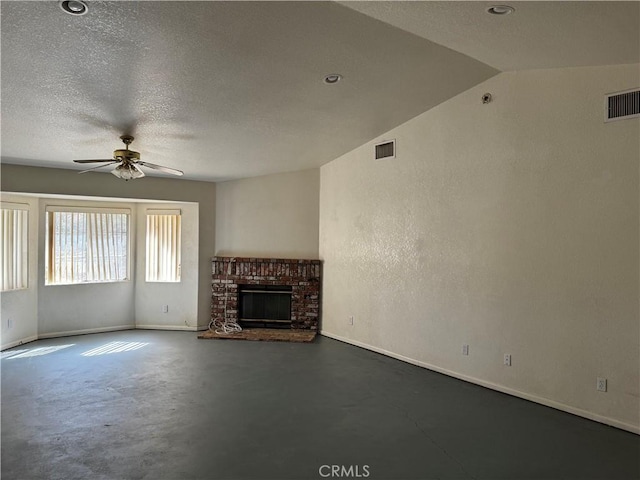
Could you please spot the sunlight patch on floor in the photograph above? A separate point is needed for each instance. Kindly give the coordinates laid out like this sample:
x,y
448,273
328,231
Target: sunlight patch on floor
x,y
11,353
114,347
34,352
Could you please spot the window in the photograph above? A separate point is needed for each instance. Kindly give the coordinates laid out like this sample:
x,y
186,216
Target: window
x,y
163,246
13,255
86,245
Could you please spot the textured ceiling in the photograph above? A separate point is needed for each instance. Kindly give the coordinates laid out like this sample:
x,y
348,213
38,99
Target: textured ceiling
x,y
226,90
537,35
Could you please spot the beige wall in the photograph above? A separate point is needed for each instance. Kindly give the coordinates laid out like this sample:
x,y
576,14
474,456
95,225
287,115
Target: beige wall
x,y
104,185
21,306
181,298
275,216
84,308
511,227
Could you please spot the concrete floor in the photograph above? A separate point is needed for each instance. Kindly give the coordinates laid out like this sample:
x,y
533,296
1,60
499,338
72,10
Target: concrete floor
x,y
182,408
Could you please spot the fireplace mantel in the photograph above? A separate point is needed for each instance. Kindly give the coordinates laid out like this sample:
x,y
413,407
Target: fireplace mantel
x,y
303,276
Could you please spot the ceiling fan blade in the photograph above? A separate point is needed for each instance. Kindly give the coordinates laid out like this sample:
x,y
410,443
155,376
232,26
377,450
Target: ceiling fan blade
x,y
138,169
172,171
94,161
99,166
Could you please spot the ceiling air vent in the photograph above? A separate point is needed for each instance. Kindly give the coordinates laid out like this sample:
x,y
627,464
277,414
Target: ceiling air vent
x,y
621,105
386,150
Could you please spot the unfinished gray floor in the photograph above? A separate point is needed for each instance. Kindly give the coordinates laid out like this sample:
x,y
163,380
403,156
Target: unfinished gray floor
x,y
182,408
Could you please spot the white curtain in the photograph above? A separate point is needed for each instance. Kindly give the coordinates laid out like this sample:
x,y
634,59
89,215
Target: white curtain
x,y
87,247
14,248
163,248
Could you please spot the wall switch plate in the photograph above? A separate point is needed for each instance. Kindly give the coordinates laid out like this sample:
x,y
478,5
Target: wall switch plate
x,y
9,322
507,359
350,319
165,309
601,384
465,349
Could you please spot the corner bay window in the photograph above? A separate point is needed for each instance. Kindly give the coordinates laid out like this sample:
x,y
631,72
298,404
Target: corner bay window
x,y
86,245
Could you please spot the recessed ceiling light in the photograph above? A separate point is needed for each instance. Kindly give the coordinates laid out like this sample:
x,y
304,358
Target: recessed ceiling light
x,y
332,78
74,7
500,10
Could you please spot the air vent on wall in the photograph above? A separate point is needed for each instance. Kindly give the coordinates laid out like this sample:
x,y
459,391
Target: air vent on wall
x,y
621,105
386,150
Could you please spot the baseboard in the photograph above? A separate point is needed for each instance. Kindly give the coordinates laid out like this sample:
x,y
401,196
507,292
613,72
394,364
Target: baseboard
x,y
493,386
185,328
16,343
85,331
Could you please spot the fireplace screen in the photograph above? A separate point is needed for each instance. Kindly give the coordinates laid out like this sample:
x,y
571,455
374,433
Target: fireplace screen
x,y
265,304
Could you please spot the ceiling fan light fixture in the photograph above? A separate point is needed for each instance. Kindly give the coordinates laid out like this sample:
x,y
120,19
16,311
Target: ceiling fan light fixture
x,y
127,171
500,10
129,160
74,7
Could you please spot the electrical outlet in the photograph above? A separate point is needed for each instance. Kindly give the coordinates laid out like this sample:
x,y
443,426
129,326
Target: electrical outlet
x,y
601,384
507,359
9,323
465,349
165,309
350,319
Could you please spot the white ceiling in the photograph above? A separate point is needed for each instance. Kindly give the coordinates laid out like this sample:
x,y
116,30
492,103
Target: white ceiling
x,y
537,35
227,90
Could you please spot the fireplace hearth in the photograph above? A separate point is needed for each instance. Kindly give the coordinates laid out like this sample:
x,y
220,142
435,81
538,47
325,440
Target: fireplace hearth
x,y
261,292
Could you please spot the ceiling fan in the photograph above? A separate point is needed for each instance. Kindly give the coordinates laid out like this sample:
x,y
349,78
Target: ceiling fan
x,y
129,163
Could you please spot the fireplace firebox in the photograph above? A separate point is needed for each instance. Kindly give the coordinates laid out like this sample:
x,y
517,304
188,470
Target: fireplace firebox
x,y
264,306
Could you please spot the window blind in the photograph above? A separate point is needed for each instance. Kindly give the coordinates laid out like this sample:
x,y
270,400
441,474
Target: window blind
x,y
13,255
86,245
163,246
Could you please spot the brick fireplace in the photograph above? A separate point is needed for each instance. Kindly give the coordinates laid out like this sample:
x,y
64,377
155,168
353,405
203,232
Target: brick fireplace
x,y
230,274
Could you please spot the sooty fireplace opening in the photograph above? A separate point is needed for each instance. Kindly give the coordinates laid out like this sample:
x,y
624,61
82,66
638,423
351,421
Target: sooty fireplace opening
x,y
264,306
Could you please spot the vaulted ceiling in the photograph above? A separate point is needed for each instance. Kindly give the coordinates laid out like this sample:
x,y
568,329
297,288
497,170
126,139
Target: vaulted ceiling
x,y
227,90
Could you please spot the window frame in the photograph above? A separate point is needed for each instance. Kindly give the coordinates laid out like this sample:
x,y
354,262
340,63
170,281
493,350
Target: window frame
x,y
49,238
24,254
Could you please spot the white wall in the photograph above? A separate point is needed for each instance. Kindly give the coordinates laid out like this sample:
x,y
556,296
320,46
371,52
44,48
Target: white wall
x,y
37,180
511,227
274,216
181,298
21,306
84,308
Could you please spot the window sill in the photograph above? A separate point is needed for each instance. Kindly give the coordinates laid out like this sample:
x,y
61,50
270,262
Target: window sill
x,y
21,289
85,283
